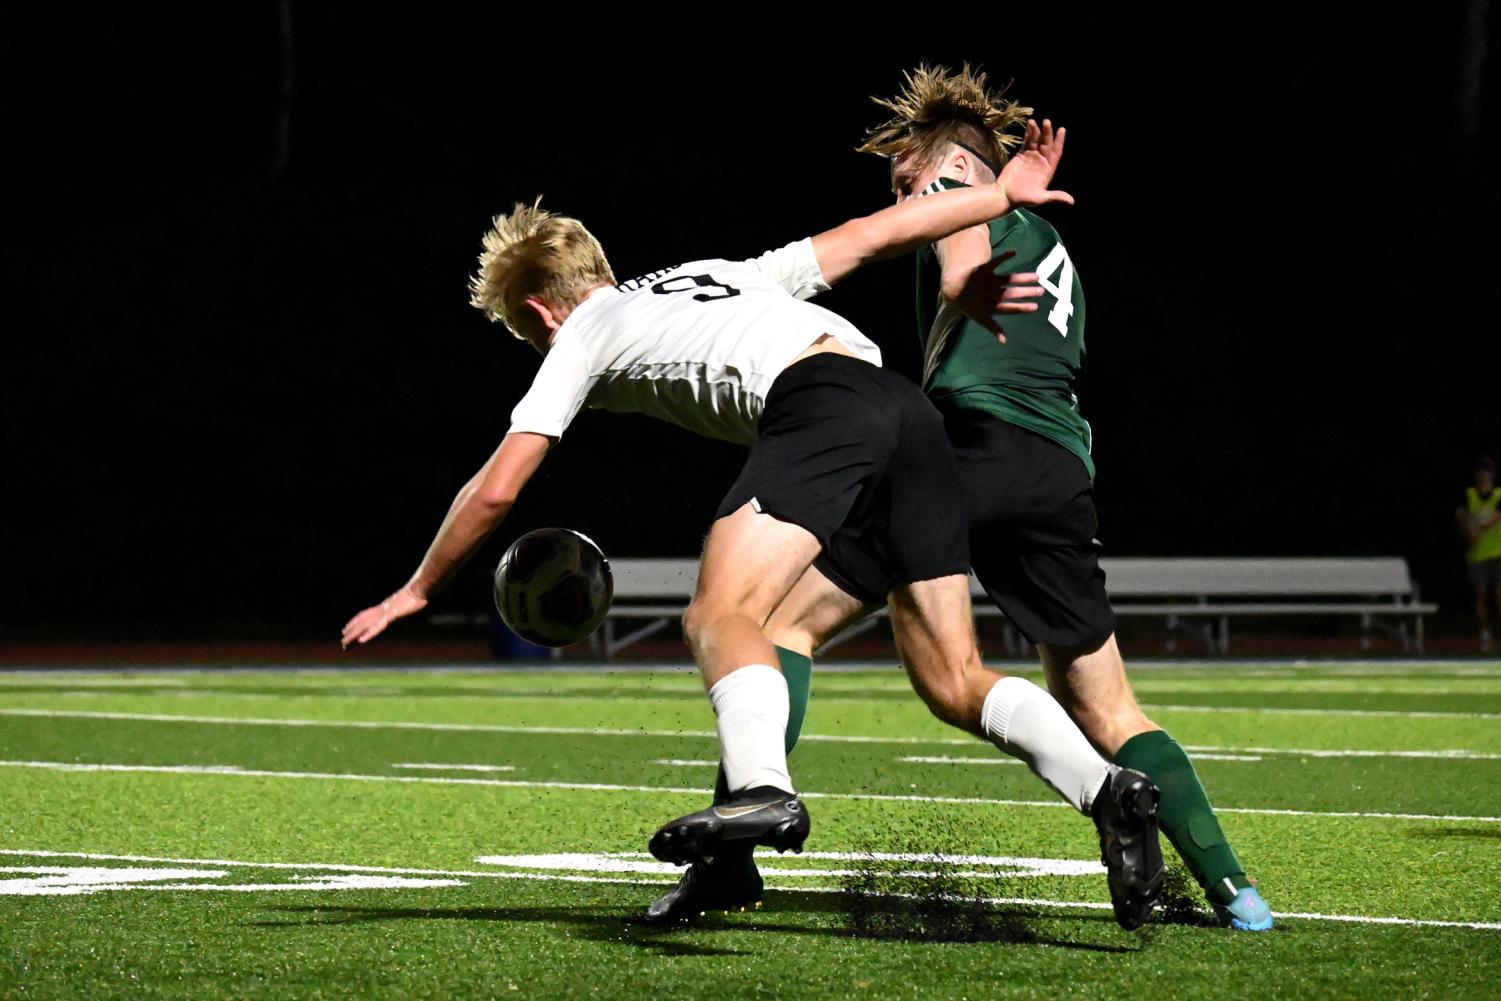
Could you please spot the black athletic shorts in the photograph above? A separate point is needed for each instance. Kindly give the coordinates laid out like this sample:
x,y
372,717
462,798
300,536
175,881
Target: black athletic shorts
x,y
1486,574
1032,530
857,455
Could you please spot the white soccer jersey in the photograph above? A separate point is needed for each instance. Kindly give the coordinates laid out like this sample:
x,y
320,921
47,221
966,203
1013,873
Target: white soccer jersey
x,y
698,345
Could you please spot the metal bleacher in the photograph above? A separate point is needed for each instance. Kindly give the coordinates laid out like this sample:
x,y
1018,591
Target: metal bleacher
x,y
1198,596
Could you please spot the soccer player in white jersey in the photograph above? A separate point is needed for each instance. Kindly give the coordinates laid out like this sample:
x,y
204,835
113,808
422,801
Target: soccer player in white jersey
x,y
728,349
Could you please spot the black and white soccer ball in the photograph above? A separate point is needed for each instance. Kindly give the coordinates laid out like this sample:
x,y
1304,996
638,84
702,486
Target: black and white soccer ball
x,y
553,587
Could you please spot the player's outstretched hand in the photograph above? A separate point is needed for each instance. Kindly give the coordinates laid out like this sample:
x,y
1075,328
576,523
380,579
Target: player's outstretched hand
x,y
1027,175
986,293
373,621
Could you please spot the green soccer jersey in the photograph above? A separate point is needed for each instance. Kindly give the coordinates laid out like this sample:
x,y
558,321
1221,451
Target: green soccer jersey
x,y
1029,380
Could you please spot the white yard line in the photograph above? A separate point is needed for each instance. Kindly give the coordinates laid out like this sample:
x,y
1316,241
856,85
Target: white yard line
x,y
1299,665
1200,749
235,772
582,731
1458,755
920,759
427,766
568,878
924,759
66,681
686,762
587,731
1282,711
361,724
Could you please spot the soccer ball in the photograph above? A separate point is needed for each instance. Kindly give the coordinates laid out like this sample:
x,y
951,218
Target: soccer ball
x,y
553,586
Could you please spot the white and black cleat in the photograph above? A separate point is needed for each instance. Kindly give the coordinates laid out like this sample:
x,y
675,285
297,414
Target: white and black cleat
x,y
760,816
1125,814
731,883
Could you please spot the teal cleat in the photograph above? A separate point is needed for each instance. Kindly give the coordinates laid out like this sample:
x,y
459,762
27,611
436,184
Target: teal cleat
x,y
1247,912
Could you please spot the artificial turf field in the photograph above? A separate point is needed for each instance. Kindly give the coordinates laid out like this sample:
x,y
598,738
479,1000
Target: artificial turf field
x,y
461,833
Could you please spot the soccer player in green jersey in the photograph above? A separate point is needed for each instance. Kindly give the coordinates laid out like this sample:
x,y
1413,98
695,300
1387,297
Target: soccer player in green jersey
x,y
1010,409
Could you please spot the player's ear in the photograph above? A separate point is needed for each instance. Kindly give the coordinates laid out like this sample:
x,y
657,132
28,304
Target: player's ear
x,y
957,168
539,311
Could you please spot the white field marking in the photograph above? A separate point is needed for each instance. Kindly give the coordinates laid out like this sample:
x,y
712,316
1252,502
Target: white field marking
x,y
940,760
687,762
1461,755
347,881
1458,755
432,766
692,734
996,866
57,881
60,881
1281,711
568,878
457,695
1462,667
72,766
183,690
922,759
582,731
66,682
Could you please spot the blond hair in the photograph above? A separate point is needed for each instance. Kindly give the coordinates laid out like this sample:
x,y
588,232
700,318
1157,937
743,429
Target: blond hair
x,y
939,107
535,254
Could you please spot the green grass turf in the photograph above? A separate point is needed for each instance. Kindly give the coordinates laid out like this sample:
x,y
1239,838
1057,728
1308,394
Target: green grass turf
x,y
500,936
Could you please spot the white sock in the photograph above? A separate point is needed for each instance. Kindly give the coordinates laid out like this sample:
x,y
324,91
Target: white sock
x,y
752,707
1028,723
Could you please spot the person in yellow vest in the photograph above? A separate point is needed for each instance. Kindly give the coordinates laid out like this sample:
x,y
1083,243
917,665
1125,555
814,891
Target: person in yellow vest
x,y
1481,522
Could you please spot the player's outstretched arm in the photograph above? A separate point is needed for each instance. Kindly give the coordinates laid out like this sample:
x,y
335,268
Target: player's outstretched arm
x,y
919,221
478,510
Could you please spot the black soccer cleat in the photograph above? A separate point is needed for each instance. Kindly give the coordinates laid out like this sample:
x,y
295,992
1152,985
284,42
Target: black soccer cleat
x,y
1125,814
760,816
731,883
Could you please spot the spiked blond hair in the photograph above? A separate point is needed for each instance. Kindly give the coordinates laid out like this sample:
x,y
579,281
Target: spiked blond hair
x,y
535,254
938,107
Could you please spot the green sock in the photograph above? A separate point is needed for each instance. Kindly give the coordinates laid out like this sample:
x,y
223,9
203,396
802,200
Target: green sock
x,y
1185,814
798,670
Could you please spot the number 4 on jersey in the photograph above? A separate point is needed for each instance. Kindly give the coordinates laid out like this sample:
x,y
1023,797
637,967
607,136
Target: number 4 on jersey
x,y
1062,289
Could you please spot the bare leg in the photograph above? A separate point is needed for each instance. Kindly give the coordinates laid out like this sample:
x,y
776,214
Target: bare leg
x,y
750,563
935,634
1092,686
814,612
934,630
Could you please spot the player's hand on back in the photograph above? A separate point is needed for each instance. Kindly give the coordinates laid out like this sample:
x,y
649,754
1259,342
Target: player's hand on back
x,y
373,621
986,293
1027,174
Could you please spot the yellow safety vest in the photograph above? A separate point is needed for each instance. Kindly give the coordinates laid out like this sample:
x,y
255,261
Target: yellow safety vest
x,y
1488,545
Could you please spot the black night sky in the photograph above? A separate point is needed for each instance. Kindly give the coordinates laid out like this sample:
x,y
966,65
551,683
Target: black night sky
x,y
241,381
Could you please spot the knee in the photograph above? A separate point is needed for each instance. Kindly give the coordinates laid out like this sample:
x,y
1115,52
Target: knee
x,y
696,619
957,701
